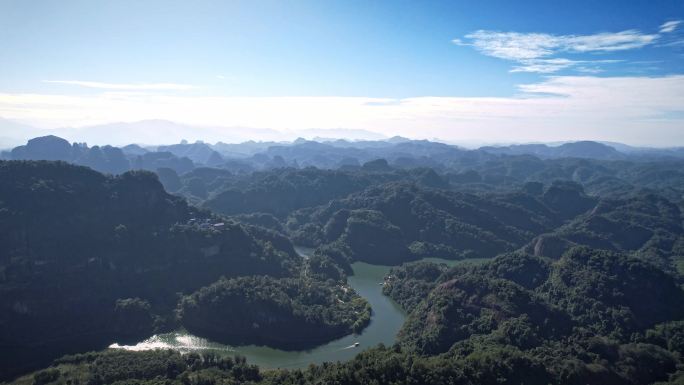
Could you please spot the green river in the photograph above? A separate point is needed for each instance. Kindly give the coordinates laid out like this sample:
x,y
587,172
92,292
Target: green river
x,y
386,320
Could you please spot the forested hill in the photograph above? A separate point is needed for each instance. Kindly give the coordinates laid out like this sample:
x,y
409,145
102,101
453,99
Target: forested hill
x,y
87,260
591,317
282,191
647,225
394,222
583,284
56,216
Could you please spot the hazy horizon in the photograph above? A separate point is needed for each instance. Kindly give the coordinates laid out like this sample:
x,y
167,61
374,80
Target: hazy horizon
x,y
238,135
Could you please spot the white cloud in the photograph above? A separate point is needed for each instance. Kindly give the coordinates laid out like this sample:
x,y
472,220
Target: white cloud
x,y
636,110
534,51
124,86
674,43
669,26
513,45
607,42
521,46
557,64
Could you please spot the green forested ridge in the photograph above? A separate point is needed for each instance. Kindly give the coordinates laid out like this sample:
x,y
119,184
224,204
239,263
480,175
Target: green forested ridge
x,y
410,283
598,292
383,223
648,225
479,361
284,190
583,285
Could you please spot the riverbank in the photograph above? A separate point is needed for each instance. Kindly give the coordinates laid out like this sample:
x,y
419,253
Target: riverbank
x,y
386,320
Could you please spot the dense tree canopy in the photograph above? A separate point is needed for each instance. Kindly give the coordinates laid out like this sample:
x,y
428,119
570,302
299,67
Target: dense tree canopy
x,y
289,313
583,284
88,259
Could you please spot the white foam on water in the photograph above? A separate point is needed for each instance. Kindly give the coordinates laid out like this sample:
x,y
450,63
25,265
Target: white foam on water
x,y
176,341
154,342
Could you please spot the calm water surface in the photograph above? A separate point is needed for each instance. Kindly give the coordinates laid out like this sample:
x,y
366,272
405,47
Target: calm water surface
x,y
386,321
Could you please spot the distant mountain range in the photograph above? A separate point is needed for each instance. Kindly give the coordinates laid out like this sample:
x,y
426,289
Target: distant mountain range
x,y
326,153
246,141
585,149
582,149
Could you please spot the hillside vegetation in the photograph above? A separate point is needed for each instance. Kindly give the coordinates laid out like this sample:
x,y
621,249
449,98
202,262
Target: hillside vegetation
x,y
583,281
87,260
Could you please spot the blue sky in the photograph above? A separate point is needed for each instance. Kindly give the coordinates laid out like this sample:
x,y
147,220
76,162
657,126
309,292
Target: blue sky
x,y
438,69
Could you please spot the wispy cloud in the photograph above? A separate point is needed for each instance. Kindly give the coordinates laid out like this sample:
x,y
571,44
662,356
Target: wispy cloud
x,y
125,86
511,45
607,42
535,52
557,64
544,65
669,26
